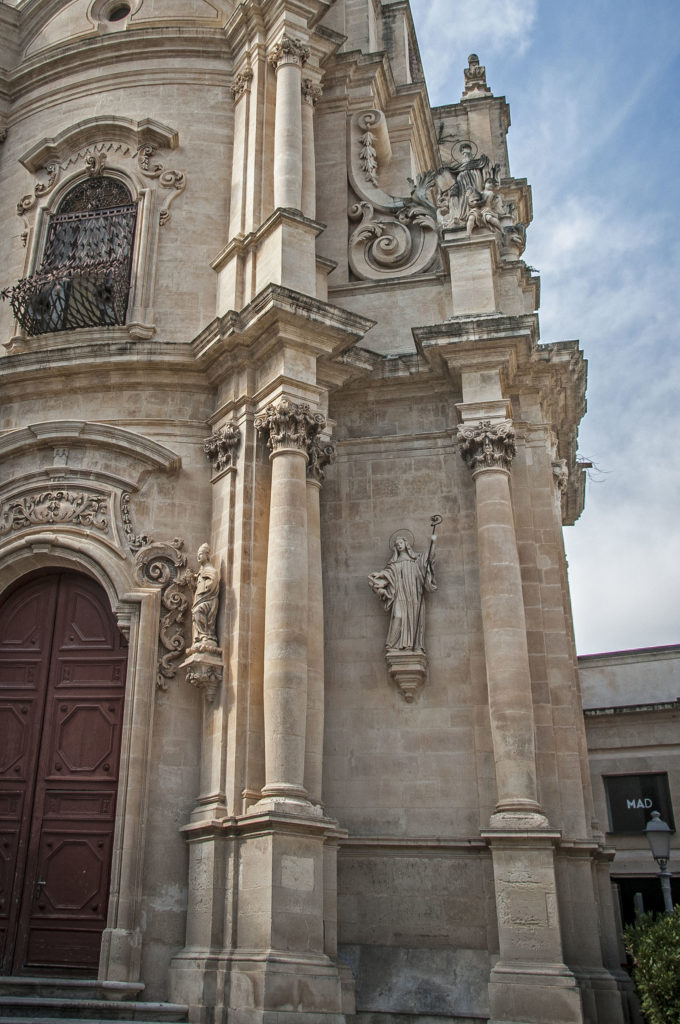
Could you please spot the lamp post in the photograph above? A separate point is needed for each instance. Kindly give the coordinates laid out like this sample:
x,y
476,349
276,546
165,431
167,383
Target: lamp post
x,y
659,838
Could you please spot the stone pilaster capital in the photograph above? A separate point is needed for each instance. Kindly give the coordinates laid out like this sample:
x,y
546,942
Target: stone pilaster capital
x,y
487,444
221,447
311,92
321,454
241,83
288,51
290,425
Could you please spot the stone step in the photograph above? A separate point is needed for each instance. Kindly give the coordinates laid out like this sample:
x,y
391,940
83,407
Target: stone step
x,y
52,1008
69,988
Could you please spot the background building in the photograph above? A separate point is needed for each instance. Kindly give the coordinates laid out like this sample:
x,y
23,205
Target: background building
x,y
270,300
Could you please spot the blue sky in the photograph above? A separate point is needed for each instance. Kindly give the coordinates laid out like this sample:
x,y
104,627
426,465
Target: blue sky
x,y
594,93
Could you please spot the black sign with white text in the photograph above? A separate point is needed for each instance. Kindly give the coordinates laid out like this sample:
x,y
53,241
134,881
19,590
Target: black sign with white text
x,y
632,798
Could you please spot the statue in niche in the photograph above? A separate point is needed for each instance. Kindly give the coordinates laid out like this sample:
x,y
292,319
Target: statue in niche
x,y
204,607
401,586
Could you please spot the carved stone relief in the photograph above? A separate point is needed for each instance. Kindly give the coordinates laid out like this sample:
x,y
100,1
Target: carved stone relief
x,y
222,446
56,507
321,455
135,541
241,83
395,235
311,92
165,566
288,51
487,445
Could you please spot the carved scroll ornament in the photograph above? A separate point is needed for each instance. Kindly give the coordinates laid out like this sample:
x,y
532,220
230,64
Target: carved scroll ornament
x,y
396,236
51,508
487,445
165,566
321,455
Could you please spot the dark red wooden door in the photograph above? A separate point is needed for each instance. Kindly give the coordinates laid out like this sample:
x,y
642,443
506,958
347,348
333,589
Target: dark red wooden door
x,y
62,683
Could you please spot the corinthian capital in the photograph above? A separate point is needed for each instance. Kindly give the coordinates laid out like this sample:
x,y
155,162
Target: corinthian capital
x,y
311,92
288,51
241,82
290,425
321,454
487,445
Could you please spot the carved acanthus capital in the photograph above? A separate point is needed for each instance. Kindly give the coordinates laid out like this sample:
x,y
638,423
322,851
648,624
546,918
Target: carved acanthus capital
x,y
311,92
221,447
560,475
487,445
290,425
475,78
288,51
241,82
321,455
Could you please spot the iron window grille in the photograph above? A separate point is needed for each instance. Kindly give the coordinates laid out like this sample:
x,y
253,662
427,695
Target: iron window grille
x,y
84,278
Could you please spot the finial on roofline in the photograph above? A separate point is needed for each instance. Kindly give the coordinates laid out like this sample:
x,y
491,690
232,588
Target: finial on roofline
x,y
475,79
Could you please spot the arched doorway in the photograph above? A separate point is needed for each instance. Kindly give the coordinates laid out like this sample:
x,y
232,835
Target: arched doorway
x,y
62,688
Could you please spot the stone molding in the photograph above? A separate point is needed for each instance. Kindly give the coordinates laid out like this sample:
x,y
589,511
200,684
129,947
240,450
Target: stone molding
x,y
487,445
204,671
288,51
409,671
241,83
222,446
165,565
290,425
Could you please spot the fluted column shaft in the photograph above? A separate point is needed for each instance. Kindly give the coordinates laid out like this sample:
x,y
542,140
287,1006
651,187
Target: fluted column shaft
x,y
488,450
288,58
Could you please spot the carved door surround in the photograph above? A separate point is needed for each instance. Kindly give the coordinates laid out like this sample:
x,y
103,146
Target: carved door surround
x,y
122,148
62,686
51,538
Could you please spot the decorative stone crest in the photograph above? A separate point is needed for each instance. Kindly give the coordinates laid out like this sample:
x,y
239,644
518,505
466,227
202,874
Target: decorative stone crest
x,y
487,445
221,447
321,455
241,83
135,541
475,78
173,180
288,51
290,425
48,508
311,92
165,566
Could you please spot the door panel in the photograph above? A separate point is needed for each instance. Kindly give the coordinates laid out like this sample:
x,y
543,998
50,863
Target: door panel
x,y
60,824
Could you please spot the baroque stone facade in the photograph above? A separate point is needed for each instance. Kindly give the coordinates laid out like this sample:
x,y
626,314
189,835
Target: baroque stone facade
x,y
264,304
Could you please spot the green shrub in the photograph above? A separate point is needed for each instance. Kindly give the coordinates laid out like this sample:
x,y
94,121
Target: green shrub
x,y
655,948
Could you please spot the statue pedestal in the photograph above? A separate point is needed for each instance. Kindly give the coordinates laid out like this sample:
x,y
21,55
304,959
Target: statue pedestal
x,y
409,671
204,669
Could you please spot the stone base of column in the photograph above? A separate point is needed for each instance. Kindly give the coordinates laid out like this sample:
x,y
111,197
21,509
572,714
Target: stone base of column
x,y
605,997
534,994
284,989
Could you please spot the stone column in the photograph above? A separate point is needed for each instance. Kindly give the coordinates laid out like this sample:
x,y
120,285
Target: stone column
x,y
488,449
311,94
288,58
320,455
289,428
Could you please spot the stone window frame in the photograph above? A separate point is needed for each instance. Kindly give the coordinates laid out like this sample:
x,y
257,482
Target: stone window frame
x,y
118,147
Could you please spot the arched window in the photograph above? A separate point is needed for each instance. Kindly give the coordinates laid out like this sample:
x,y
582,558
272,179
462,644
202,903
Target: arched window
x,y
84,278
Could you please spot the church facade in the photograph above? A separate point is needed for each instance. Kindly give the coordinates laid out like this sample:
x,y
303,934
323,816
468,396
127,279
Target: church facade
x,y
293,729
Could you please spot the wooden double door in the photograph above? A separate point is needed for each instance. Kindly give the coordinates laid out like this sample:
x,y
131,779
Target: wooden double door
x,y
62,686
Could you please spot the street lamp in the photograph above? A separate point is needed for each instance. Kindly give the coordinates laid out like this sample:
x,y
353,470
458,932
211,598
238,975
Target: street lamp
x,y
659,838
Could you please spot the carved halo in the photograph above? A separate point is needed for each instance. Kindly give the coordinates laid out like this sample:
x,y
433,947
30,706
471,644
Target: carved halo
x,y
468,143
406,534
